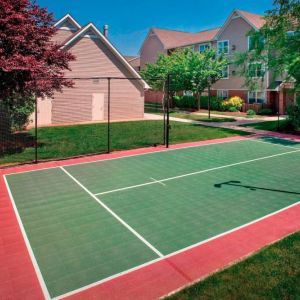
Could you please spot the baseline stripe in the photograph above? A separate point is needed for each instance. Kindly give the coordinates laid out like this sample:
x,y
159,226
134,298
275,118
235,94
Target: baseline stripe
x,y
114,214
195,173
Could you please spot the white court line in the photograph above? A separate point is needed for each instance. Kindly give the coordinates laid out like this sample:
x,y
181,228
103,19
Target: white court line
x,y
171,254
157,181
114,215
195,173
274,144
130,155
30,251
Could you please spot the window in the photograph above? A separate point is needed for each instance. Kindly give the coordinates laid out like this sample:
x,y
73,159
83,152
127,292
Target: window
x,y
223,47
256,70
188,93
222,94
225,73
256,97
203,47
255,42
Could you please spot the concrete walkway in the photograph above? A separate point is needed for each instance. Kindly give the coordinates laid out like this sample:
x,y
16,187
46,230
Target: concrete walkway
x,y
228,125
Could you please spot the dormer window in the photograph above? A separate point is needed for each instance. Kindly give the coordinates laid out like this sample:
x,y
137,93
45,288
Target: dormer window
x,y
223,47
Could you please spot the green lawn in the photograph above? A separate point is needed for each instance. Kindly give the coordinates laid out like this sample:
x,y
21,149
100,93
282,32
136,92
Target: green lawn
x,y
273,273
68,141
269,125
202,118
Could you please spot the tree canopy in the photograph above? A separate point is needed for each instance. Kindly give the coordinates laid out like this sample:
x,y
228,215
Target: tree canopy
x,y
189,70
30,63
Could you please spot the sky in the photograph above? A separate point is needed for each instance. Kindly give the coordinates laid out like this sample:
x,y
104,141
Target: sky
x,y
129,21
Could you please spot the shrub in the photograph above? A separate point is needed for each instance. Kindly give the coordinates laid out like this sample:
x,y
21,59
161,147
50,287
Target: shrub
x,y
233,109
265,111
293,119
185,101
215,102
191,102
15,114
235,101
251,112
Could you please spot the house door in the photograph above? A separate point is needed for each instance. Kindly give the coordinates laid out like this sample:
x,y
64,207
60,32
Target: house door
x,y
98,107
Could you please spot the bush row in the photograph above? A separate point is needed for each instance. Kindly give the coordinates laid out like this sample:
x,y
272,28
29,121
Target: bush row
x,y
190,102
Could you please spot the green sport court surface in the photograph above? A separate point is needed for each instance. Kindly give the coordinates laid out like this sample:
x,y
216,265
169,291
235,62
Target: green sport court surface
x,y
88,222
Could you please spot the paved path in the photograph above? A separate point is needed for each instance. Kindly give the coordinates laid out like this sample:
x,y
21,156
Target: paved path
x,y
229,125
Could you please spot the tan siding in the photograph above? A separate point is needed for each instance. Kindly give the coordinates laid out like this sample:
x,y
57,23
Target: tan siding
x,y
61,35
236,32
94,59
150,51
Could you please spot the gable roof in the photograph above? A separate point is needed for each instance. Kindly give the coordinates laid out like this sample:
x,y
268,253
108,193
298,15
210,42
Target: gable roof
x,y
108,44
82,30
254,20
173,39
69,18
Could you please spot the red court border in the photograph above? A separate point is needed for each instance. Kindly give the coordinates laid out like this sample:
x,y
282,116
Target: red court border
x,y
18,279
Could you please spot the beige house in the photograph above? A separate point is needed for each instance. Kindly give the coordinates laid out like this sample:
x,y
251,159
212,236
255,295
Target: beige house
x,y
87,100
230,38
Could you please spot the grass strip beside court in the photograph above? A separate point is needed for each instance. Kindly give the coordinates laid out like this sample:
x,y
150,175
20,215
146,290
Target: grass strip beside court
x,y
78,240
59,142
272,273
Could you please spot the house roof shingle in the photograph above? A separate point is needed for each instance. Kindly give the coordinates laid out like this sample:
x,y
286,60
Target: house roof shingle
x,y
257,20
172,38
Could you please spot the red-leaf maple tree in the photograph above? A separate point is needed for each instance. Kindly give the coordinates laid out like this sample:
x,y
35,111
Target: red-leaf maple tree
x,y
31,64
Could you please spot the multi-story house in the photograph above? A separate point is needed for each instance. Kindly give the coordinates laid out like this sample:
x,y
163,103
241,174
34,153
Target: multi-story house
x,y
229,39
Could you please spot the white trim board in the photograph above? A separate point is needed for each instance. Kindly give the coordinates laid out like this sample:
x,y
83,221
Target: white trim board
x,y
68,17
108,44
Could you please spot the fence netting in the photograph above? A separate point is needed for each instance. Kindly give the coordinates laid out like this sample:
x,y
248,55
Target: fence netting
x,y
98,115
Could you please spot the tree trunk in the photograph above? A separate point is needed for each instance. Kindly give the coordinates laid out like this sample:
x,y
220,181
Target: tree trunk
x,y
199,101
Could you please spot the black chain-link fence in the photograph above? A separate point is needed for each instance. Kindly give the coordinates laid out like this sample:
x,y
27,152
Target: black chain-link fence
x,y
97,115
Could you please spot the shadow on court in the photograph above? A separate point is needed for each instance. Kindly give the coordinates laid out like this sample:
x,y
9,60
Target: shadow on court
x,y
282,142
250,187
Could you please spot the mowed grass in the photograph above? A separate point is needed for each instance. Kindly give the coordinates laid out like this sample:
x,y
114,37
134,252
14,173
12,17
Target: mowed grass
x,y
202,118
269,125
273,273
67,141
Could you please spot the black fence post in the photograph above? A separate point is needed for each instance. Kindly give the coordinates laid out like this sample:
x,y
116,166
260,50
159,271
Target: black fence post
x,y
278,113
108,115
168,112
209,101
36,131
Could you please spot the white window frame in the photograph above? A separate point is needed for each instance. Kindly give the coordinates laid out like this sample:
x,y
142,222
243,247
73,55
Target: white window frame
x,y
249,43
188,93
263,67
256,92
227,73
219,42
222,94
205,44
